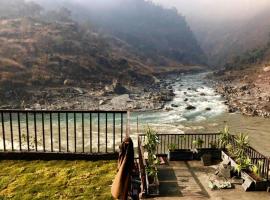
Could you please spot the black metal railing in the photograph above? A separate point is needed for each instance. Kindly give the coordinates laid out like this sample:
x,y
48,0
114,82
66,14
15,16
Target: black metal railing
x,y
209,140
61,131
184,141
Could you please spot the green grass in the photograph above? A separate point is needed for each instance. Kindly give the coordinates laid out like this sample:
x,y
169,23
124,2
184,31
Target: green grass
x,y
56,179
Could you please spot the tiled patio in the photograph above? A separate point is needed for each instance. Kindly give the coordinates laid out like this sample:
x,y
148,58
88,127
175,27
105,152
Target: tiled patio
x,y
189,181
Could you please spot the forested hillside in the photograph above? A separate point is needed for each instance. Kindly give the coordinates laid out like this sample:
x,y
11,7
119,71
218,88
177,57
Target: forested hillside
x,y
157,35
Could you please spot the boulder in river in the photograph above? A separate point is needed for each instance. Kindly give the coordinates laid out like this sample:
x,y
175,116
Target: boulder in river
x,y
174,105
190,107
186,99
168,109
208,109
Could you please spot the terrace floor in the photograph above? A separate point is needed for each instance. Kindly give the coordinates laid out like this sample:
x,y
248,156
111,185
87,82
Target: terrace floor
x,y
189,181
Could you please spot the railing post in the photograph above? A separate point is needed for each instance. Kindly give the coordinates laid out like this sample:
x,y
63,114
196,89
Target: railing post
x,y
59,131
27,131
128,124
11,131
3,130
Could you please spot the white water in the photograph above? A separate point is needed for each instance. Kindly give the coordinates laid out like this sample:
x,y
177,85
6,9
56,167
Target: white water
x,y
180,120
198,94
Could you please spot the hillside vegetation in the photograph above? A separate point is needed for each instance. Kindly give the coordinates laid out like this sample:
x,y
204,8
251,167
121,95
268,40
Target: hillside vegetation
x,y
43,48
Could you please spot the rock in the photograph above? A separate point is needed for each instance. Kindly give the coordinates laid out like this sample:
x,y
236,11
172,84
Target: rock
x,y
186,99
68,82
190,107
174,105
101,102
266,69
232,110
119,89
202,94
208,109
244,87
37,106
79,90
168,109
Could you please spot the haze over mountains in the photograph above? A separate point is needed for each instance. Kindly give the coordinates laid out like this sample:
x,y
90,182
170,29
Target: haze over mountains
x,y
226,28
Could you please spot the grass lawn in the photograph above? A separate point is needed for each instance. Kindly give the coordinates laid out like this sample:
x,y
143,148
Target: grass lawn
x,y
56,179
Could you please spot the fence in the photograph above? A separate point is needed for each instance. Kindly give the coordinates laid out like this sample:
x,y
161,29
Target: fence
x,y
61,131
209,140
184,141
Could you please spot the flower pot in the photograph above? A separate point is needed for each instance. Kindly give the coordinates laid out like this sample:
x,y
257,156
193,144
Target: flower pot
x,y
252,182
206,159
215,153
152,185
180,155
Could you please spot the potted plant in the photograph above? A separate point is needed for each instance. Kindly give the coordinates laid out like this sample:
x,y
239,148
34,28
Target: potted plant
x,y
206,155
244,167
203,154
179,154
224,137
227,148
150,145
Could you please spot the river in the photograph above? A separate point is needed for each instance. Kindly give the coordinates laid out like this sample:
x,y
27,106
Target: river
x,y
210,113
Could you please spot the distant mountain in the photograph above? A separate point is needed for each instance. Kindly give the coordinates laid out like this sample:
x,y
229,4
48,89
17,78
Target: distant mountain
x,y
50,50
224,41
129,43
159,36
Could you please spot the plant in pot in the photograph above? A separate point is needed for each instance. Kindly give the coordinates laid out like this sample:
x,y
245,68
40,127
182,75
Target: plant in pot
x,y
224,137
251,173
203,154
179,154
243,162
150,145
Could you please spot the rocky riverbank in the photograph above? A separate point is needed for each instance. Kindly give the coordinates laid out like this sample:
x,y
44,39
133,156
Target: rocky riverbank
x,y
246,91
108,97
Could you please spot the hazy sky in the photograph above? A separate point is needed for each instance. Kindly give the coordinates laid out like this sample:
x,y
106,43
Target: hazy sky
x,y
217,9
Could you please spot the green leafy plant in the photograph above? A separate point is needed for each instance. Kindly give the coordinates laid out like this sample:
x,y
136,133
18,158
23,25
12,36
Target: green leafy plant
x,y
230,149
243,164
242,160
172,147
150,145
242,143
151,171
198,143
224,137
213,145
151,140
256,169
